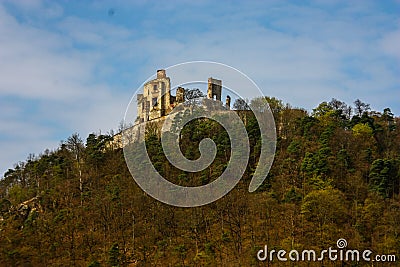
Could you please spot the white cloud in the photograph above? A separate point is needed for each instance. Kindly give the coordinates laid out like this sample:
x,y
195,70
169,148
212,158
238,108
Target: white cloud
x,y
391,42
34,63
52,88
39,8
96,34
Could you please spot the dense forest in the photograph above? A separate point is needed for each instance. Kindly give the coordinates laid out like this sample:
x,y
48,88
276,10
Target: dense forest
x,y
336,174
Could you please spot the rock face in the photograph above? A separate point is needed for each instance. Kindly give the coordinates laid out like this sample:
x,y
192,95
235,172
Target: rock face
x,y
27,208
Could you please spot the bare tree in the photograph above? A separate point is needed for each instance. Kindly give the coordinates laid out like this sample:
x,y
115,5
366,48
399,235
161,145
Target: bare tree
x,y
361,107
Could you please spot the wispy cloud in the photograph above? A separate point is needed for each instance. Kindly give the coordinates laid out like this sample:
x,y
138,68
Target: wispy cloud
x,y
48,90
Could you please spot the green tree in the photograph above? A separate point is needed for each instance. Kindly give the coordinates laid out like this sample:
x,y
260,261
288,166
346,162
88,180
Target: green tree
x,y
114,255
384,177
362,130
326,208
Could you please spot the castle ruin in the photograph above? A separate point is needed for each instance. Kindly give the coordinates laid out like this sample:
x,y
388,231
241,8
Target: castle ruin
x,y
157,101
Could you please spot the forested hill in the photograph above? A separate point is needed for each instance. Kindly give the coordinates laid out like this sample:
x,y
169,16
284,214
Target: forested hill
x,y
336,174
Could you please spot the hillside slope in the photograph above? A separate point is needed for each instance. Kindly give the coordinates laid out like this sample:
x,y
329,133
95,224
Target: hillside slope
x,y
336,175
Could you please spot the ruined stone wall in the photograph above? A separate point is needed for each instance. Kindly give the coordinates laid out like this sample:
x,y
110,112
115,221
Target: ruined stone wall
x,y
156,100
214,89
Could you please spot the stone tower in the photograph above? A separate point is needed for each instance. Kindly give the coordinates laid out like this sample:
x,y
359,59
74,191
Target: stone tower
x,y
214,89
156,98
161,74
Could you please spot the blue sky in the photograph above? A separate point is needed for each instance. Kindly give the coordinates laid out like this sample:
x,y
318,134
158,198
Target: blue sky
x,y
72,66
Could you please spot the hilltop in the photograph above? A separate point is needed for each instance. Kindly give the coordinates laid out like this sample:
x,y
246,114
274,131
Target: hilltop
x,y
336,174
